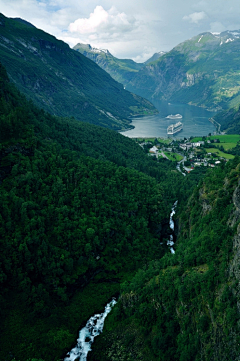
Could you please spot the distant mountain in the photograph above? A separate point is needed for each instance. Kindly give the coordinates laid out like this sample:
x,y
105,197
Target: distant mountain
x,y
155,57
203,71
122,70
62,81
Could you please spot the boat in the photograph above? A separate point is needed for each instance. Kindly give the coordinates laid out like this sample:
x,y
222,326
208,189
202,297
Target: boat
x,y
174,128
176,116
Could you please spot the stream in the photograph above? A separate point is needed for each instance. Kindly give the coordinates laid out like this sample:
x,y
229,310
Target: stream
x,y
87,334
95,324
171,225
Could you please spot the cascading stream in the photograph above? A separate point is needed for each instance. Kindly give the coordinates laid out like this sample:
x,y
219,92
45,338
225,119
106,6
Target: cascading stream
x,y
171,225
87,334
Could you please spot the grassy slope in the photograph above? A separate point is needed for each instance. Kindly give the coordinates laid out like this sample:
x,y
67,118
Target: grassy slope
x,y
219,153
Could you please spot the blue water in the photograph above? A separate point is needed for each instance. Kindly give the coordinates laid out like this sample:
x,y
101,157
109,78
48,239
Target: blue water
x,y
195,122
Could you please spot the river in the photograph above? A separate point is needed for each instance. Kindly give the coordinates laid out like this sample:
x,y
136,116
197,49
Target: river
x,y
195,122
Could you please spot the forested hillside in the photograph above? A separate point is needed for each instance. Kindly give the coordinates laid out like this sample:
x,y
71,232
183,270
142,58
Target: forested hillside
x,y
229,120
186,305
63,81
84,209
80,205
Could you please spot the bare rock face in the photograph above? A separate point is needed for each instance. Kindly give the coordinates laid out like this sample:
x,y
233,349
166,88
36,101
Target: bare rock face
x,y
236,198
235,217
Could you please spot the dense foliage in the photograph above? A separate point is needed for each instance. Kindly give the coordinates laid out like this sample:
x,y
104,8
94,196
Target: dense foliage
x,y
229,120
82,208
78,203
184,307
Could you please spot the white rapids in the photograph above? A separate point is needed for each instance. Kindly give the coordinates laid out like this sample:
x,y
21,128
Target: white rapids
x,y
171,225
87,334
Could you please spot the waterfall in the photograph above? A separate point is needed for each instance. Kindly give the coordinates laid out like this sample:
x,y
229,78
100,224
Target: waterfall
x,y
171,225
87,334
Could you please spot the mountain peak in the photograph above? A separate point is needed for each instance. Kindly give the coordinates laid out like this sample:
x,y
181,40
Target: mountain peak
x,y
88,48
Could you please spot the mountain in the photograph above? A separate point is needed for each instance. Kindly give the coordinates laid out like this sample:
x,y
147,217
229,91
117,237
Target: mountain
x,y
61,80
203,71
155,57
122,70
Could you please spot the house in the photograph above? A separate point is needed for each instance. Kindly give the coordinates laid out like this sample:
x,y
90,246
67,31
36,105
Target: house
x,y
198,144
186,146
153,150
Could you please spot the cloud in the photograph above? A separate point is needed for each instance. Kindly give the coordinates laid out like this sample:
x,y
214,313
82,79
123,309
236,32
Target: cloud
x,y
108,23
217,27
129,29
195,17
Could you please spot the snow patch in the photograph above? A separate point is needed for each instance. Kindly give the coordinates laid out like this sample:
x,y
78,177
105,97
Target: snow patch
x,y
234,33
200,39
229,40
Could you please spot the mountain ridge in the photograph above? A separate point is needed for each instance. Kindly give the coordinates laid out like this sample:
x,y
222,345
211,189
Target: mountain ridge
x,y
198,71
122,70
63,81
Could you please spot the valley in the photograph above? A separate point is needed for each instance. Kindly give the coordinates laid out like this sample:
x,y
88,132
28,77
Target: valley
x,y
97,201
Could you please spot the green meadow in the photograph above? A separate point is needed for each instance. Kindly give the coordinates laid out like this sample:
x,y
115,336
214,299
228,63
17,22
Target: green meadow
x,y
220,153
173,156
230,140
160,140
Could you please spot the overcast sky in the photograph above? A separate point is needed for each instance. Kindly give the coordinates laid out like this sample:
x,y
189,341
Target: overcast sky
x,y
132,29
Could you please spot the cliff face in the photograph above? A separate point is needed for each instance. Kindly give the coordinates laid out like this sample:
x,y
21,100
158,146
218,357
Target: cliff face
x,y
201,71
186,306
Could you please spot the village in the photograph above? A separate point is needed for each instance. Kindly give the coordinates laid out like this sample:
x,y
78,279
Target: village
x,y
207,151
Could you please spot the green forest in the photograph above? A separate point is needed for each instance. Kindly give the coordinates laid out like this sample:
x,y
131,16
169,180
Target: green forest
x,y
84,216
184,306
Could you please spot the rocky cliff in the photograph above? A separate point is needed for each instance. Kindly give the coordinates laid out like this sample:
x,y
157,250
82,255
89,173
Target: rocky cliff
x,y
201,71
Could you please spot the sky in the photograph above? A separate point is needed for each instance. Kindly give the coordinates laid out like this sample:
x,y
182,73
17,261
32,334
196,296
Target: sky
x,y
130,29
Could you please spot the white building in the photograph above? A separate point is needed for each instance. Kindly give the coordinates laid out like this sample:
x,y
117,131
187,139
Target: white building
x,y
153,150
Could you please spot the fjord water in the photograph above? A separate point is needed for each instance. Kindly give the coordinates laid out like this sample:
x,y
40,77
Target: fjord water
x,y
195,122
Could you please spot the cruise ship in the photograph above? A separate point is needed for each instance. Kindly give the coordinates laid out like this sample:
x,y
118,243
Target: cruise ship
x,y
176,116
174,128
